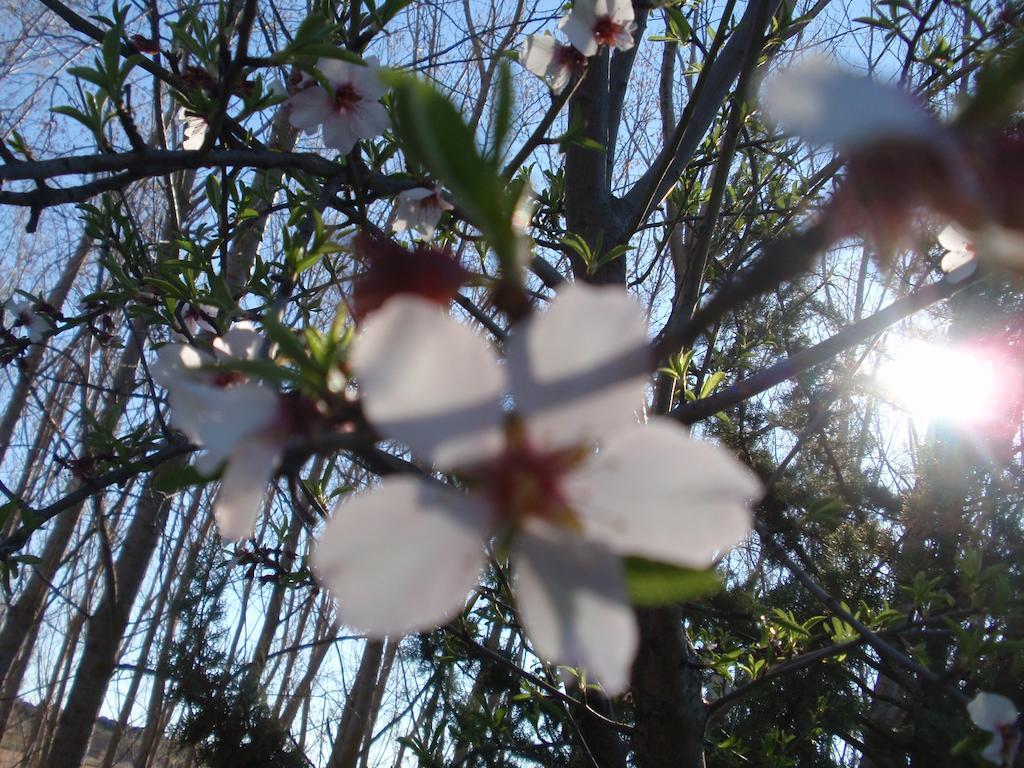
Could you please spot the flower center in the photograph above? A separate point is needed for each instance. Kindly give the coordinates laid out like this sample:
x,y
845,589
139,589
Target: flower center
x,y
568,57
225,379
606,30
526,480
346,97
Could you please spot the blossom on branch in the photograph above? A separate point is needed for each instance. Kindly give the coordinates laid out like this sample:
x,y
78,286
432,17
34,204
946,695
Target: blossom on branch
x,y
419,210
997,714
594,23
349,107
552,62
569,482
900,159
19,313
232,419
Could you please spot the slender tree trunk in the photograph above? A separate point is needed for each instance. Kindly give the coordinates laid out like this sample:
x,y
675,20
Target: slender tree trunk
x,y
273,609
390,652
153,626
106,628
155,709
356,713
19,628
301,692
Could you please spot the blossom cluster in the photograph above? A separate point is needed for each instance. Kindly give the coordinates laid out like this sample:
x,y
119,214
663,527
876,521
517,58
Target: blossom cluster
x,y
589,26
552,468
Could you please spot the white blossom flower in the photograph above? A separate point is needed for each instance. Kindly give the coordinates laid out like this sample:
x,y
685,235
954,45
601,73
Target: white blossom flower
x,y
229,417
996,714
827,105
593,23
195,128
403,556
19,313
350,111
958,262
998,244
419,209
551,61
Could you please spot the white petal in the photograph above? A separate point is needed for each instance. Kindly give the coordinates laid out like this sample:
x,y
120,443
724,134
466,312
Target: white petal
x,y
309,108
412,213
340,133
990,711
366,80
827,105
621,11
580,370
538,54
175,362
994,751
371,119
242,341
578,26
336,71
218,419
430,382
572,601
38,328
195,132
655,492
952,238
250,467
402,557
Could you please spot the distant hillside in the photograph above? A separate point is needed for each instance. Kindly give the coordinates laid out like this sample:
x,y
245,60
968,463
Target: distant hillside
x,y
25,721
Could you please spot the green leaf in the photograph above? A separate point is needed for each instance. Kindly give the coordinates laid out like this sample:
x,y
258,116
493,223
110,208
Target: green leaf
x,y
434,135
654,583
174,479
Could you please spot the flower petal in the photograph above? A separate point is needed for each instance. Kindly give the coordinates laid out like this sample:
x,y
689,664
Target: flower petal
x,y
580,370
572,601
430,382
242,341
309,108
578,26
655,492
402,557
339,133
250,467
990,711
827,105
218,419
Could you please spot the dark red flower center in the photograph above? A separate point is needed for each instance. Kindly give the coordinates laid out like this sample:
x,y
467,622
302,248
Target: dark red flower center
x,y
346,97
606,30
568,57
432,273
526,480
225,379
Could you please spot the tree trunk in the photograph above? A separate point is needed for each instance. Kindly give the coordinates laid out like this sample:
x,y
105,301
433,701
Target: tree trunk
x,y
356,713
163,593
106,628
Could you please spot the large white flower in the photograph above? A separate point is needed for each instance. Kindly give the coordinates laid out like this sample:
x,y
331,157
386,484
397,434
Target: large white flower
x,y
403,556
19,313
349,111
551,61
232,419
419,209
827,105
997,714
593,23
